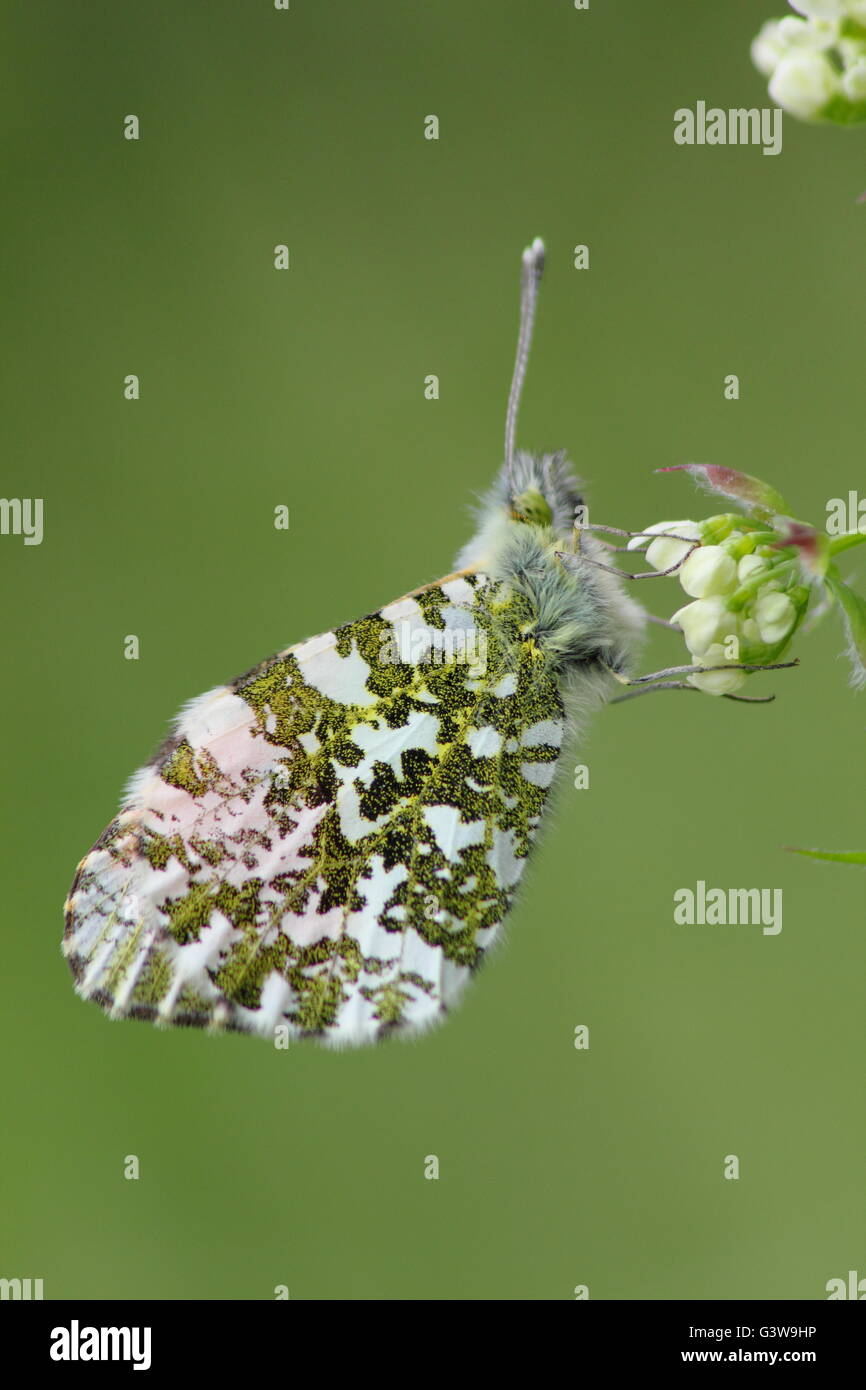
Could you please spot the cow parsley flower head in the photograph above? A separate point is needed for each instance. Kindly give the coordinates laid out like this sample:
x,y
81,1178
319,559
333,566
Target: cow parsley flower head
x,y
750,578
815,62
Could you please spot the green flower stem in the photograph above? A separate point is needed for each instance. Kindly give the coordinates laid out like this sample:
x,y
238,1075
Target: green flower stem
x,y
763,537
850,538
746,591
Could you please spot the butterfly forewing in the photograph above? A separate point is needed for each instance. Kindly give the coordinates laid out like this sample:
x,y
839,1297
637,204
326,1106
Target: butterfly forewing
x,y
328,846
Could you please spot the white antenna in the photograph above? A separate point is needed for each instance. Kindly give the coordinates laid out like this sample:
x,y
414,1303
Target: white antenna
x,y
530,278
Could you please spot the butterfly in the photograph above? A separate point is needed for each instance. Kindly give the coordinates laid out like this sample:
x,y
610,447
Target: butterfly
x,y
328,846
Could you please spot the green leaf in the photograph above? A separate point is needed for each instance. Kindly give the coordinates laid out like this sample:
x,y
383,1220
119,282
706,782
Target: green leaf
x,y
854,617
752,493
838,856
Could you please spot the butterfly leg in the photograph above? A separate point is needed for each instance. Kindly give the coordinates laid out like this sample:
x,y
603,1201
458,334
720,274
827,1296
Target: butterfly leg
x,y
684,685
660,680
565,555
662,675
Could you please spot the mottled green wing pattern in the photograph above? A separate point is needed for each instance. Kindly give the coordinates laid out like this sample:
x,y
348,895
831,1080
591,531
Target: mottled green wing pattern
x,y
329,845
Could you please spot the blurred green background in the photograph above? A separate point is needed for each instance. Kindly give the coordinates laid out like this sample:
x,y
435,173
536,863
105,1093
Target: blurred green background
x,y
305,1168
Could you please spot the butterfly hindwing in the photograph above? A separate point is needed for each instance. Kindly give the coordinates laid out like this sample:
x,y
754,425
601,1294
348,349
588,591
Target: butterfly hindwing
x,y
329,845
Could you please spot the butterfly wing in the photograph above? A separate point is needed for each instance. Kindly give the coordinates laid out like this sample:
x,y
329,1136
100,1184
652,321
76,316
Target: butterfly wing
x,y
328,845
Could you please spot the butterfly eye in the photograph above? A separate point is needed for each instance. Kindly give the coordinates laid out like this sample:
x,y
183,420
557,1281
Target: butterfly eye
x,y
533,507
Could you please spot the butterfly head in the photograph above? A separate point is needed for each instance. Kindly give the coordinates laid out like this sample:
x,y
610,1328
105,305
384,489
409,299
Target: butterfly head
x,y
540,490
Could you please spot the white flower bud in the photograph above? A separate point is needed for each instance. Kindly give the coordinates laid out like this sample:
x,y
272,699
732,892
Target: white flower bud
x,y
821,9
704,622
717,682
854,81
751,632
803,84
768,48
677,549
775,615
709,570
813,34
664,553
749,566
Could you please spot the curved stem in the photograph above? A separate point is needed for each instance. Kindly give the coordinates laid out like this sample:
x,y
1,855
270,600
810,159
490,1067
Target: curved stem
x,y
850,538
